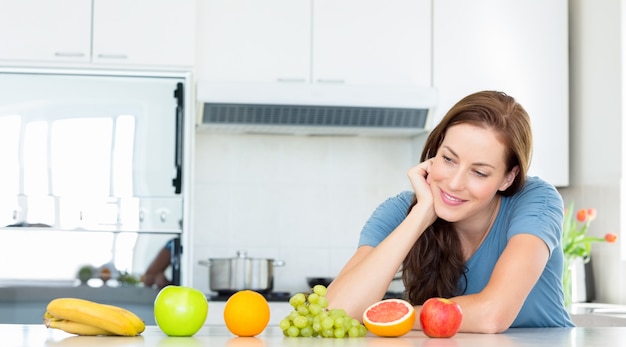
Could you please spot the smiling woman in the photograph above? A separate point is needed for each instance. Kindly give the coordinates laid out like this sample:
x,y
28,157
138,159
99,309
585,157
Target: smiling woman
x,y
475,227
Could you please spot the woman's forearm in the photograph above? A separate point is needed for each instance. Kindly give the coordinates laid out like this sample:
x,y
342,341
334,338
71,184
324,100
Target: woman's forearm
x,y
366,277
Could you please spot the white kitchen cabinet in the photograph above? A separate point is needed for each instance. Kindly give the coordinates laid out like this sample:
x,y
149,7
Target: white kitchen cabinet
x,y
112,32
362,42
372,42
144,32
254,41
51,30
519,47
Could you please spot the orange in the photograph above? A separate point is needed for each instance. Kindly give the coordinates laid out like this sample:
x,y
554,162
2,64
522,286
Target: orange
x,y
246,313
389,318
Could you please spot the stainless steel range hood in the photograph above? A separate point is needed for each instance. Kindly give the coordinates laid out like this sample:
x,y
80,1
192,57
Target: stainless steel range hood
x,y
314,109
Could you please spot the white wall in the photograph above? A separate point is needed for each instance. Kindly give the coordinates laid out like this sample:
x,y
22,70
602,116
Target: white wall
x,y
596,89
245,186
302,200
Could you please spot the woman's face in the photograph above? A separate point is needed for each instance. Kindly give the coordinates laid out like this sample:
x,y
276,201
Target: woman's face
x,y
467,172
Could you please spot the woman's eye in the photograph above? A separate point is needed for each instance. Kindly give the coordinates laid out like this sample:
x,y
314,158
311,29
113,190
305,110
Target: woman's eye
x,y
447,159
480,174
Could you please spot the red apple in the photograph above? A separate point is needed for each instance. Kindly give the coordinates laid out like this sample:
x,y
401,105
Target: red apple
x,y
440,317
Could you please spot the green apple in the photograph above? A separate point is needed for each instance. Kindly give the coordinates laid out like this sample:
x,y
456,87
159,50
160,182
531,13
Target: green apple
x,y
440,317
180,310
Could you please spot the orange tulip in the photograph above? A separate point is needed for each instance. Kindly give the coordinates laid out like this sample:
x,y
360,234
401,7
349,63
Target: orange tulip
x,y
591,214
576,241
581,216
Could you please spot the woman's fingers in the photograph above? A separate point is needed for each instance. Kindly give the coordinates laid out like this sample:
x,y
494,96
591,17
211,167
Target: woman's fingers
x,y
419,177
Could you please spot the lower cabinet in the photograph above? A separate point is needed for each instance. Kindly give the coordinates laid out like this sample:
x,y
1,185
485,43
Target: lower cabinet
x,y
26,305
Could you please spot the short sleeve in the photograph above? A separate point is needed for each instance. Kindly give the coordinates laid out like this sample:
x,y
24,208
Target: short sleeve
x,y
385,219
538,211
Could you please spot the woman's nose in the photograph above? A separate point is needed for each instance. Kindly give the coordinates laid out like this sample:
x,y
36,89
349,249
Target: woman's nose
x,y
457,179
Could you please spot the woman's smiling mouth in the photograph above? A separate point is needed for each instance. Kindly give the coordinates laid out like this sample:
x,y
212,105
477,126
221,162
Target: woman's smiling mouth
x,y
450,200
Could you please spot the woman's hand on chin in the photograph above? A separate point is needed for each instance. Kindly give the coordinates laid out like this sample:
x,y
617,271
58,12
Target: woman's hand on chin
x,y
418,175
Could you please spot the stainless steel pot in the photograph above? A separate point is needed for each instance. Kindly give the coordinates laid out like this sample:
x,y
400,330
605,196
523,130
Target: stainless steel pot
x,y
228,275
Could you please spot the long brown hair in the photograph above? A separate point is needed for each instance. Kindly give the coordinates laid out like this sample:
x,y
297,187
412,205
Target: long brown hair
x,y
435,266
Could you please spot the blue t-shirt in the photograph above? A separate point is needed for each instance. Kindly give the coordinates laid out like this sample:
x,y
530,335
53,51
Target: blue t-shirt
x,y
537,210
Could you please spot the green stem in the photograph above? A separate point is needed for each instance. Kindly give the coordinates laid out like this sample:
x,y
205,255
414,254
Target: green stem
x,y
567,282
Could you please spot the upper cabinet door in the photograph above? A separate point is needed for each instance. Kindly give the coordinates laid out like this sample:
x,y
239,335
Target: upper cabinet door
x,y
144,32
254,41
519,47
51,30
372,42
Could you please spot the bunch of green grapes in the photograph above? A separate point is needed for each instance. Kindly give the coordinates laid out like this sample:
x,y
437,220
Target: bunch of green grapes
x,y
312,318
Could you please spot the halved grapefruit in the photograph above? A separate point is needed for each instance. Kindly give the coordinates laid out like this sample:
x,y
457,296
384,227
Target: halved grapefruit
x,y
389,318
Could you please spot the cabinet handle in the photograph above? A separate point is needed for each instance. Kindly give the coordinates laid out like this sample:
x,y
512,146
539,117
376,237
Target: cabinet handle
x,y
290,80
113,56
69,54
330,80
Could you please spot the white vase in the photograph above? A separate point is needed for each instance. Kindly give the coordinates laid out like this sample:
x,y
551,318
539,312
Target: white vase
x,y
579,287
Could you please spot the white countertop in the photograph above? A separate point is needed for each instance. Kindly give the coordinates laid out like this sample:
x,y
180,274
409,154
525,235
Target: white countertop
x,y
599,308
17,335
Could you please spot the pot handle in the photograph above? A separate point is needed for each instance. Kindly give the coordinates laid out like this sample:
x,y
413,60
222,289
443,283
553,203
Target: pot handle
x,y
204,262
278,263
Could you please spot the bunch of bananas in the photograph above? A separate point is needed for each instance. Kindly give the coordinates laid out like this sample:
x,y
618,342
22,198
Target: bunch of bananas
x,y
84,317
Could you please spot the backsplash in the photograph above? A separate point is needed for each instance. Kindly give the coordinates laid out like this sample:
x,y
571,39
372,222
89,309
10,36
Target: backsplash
x,y
299,199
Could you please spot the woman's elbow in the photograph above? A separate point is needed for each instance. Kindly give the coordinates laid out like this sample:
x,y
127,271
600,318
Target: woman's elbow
x,y
495,328
495,323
